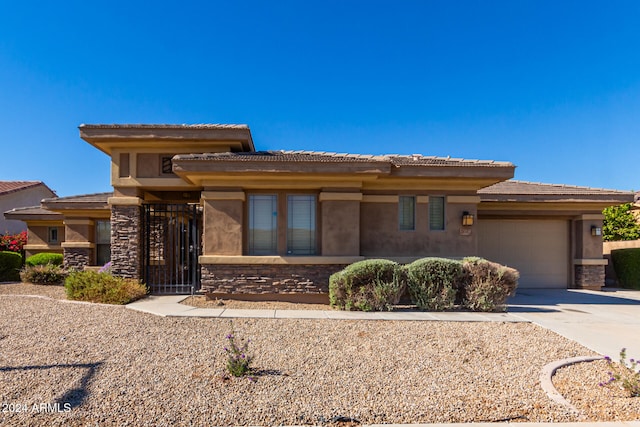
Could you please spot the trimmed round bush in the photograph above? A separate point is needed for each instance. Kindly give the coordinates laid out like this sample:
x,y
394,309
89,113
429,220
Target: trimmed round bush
x,y
44,258
370,285
626,263
487,285
47,274
10,263
433,282
103,288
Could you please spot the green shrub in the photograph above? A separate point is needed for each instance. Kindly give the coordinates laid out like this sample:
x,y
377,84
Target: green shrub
x,y
433,282
626,263
374,284
10,263
487,284
44,258
47,274
103,288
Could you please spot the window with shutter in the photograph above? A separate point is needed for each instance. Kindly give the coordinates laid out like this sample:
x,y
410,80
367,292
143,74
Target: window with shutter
x,y
436,213
263,224
301,224
407,213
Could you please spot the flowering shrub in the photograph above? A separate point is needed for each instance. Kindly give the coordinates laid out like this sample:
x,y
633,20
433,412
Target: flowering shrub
x,y
105,268
238,358
627,377
13,242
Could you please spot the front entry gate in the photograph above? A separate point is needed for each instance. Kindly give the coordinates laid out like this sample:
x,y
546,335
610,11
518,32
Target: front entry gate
x,y
171,246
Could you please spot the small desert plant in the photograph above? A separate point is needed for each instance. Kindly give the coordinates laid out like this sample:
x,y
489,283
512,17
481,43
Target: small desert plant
x,y
10,263
103,288
374,284
433,282
47,274
238,357
626,377
487,284
44,258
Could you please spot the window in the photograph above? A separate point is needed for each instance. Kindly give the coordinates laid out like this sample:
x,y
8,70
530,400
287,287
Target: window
x,y
263,224
103,242
301,225
407,213
436,213
53,235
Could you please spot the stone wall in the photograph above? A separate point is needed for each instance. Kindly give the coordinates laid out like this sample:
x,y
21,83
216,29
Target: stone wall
x,y
589,277
126,241
267,279
77,258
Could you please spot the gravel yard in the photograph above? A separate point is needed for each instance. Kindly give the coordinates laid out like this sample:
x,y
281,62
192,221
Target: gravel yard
x,y
113,366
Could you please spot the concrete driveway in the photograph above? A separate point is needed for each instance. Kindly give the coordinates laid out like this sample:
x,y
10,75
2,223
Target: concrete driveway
x,y
604,321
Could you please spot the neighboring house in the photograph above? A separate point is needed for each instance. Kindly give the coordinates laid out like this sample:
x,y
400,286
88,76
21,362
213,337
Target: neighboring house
x,y
18,194
197,207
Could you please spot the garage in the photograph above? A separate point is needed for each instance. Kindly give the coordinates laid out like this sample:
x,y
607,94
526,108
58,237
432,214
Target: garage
x,y
538,249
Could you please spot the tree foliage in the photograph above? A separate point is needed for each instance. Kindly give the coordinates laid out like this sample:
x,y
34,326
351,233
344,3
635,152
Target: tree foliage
x,y
620,223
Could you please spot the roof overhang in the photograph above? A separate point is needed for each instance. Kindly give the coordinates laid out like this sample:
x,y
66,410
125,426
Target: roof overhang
x,y
197,138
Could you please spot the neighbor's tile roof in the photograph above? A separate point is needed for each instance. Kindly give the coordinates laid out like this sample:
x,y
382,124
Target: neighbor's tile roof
x,y
7,187
515,187
329,157
89,198
33,210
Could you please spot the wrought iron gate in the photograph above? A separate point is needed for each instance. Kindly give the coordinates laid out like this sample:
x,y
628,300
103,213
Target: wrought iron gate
x,y
171,237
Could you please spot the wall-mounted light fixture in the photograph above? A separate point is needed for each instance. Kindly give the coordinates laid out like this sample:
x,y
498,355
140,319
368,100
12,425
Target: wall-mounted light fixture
x,y
467,218
596,231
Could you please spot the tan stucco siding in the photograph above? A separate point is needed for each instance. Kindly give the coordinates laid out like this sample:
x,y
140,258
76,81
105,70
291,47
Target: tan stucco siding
x,y
381,236
340,227
223,227
20,199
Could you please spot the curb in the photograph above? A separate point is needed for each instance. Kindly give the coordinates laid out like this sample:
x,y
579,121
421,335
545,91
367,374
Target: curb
x,y
546,379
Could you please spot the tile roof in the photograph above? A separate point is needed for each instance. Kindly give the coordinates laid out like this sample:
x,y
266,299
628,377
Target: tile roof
x,y
32,210
164,126
7,187
515,187
89,198
330,157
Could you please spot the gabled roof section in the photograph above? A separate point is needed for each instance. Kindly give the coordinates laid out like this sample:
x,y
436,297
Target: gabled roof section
x,y
106,137
524,191
7,187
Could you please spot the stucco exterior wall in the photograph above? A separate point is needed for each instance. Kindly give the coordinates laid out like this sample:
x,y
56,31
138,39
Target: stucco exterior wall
x,y
381,236
340,221
20,199
223,224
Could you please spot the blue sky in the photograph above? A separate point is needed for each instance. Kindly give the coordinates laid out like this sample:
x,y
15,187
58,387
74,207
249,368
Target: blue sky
x,y
552,86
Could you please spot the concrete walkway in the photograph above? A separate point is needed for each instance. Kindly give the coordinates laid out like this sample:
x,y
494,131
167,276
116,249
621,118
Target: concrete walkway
x,y
604,322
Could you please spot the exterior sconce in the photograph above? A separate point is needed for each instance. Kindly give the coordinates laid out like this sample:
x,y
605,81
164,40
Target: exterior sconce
x,y
467,218
596,231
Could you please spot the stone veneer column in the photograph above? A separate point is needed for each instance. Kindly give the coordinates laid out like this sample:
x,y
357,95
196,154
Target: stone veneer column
x,y
588,263
126,237
76,257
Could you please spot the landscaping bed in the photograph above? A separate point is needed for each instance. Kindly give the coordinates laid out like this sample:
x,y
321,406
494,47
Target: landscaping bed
x,y
114,366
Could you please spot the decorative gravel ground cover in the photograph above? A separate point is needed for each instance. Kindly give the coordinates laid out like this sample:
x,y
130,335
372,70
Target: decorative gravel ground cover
x,y
83,364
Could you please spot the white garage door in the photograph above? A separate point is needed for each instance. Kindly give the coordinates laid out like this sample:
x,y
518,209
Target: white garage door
x,y
538,249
